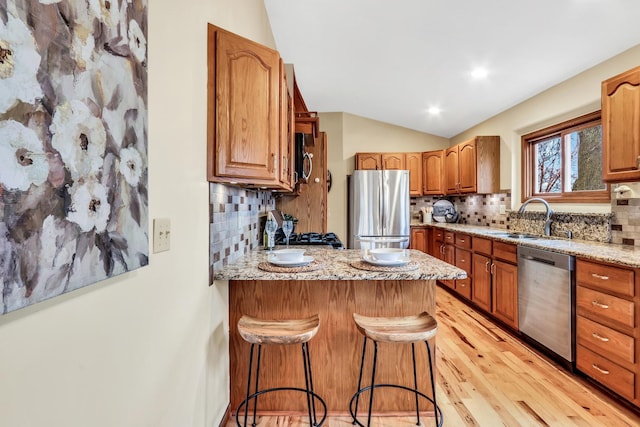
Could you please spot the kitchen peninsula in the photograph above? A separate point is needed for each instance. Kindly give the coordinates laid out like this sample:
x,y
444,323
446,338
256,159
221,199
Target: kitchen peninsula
x,y
335,290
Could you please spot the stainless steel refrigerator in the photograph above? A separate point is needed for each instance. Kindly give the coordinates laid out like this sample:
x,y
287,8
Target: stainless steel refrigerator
x,y
379,208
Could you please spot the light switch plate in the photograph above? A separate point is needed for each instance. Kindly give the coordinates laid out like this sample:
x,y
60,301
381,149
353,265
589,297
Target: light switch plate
x,y
161,234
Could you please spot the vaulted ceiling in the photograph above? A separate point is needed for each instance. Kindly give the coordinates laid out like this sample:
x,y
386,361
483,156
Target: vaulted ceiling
x,y
394,60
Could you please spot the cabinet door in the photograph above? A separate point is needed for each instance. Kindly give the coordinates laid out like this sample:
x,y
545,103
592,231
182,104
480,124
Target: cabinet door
x,y
437,236
368,161
451,181
393,161
505,292
418,239
287,134
481,290
432,168
621,127
467,166
414,165
247,85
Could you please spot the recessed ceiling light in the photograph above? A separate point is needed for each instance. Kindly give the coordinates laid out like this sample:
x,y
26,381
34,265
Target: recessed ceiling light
x,y
434,110
479,73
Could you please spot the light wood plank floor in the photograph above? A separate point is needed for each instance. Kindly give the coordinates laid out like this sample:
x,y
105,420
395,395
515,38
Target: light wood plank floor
x,y
487,378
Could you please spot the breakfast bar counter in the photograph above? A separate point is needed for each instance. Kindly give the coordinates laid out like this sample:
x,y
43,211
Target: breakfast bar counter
x,y
339,284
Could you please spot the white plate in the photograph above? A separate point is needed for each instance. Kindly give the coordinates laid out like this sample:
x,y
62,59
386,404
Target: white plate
x,y
383,263
273,259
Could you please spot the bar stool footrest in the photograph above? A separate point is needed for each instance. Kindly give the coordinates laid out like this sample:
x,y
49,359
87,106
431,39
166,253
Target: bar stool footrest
x,y
314,395
414,391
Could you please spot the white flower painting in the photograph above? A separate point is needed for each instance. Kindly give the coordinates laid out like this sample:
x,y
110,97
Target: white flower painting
x,y
73,145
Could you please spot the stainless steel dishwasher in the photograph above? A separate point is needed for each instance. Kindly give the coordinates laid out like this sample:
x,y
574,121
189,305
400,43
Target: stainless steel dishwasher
x,y
545,299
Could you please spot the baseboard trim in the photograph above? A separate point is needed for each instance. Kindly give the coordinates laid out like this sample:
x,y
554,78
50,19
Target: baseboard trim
x,y
226,417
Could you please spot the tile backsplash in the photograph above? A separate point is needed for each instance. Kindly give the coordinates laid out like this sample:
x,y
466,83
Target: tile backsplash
x,y
473,209
234,218
625,225
235,213
620,226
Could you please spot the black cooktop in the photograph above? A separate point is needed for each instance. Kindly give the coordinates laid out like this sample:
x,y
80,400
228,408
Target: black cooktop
x,y
327,239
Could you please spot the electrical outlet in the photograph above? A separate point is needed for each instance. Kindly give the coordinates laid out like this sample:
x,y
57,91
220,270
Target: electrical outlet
x,y
161,234
503,209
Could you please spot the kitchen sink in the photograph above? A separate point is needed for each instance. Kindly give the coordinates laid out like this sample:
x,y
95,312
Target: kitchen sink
x,y
518,235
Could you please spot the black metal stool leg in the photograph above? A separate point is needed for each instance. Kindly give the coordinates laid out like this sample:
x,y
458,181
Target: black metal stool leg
x,y
433,385
313,401
364,349
255,402
305,360
415,382
246,407
373,380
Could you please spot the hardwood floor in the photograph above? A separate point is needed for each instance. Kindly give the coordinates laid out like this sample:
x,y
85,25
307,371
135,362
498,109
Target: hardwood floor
x,y
487,378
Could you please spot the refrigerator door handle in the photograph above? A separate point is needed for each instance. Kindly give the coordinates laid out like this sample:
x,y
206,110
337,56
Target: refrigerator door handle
x,y
382,206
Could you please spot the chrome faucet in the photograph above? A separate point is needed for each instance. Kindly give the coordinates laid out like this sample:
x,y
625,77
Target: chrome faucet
x,y
549,212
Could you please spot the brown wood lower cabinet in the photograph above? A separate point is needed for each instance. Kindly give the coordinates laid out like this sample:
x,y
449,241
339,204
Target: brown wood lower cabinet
x,y
481,287
419,239
337,347
463,261
607,332
505,292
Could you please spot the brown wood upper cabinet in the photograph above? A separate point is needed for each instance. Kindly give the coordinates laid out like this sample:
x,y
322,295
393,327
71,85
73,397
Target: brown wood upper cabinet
x,y
432,167
473,166
413,162
287,131
379,161
368,161
247,140
621,127
393,161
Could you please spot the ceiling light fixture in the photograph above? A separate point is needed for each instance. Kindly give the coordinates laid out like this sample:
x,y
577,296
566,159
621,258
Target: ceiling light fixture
x,y
434,111
479,73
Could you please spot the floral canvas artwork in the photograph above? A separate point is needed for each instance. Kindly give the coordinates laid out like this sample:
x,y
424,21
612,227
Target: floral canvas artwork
x,y
73,145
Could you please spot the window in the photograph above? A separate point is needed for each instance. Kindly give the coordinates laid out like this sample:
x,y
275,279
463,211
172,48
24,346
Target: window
x,y
563,162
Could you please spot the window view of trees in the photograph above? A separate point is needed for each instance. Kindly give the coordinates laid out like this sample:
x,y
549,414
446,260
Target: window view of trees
x,y
564,161
548,165
585,147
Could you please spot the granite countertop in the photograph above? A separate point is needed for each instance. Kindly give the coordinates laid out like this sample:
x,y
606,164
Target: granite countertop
x,y
606,252
336,265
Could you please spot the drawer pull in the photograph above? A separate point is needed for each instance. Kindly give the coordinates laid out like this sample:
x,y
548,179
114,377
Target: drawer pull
x,y
462,240
599,369
597,276
600,337
599,304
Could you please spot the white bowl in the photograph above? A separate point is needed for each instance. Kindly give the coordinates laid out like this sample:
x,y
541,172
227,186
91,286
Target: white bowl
x,y
289,255
387,254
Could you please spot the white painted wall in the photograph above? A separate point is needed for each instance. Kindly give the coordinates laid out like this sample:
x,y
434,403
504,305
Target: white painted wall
x,y
149,348
571,98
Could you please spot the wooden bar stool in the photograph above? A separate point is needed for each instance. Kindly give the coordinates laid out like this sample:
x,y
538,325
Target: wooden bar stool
x,y
407,329
280,332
